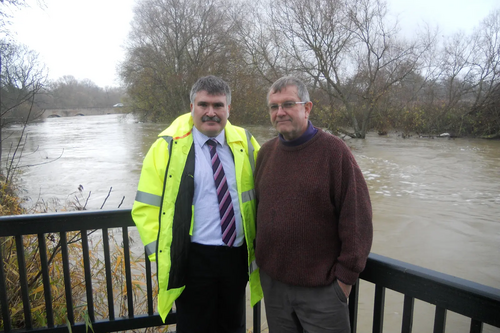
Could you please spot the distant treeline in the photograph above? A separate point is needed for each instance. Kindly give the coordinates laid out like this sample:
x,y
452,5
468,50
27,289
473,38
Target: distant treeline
x,y
362,72
67,92
25,90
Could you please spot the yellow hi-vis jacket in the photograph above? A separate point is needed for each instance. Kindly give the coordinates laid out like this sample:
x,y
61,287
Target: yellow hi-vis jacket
x,y
163,207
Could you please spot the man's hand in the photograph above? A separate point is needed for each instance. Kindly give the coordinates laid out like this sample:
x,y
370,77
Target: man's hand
x,y
345,288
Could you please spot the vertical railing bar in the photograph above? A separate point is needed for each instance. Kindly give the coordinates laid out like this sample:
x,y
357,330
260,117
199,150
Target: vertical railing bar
x,y
245,316
109,280
378,312
257,320
23,280
67,278
88,275
408,308
440,320
49,311
128,274
3,293
476,326
149,284
353,307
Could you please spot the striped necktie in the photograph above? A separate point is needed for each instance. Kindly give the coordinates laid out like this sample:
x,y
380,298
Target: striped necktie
x,y
227,220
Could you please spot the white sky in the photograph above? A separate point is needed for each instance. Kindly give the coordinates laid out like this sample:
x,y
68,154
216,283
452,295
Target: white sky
x,y
86,38
76,37
450,15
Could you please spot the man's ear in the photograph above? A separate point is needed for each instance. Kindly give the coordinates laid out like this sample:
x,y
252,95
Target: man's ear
x,y
308,107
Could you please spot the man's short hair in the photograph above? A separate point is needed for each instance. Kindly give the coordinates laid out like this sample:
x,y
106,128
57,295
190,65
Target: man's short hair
x,y
213,85
286,81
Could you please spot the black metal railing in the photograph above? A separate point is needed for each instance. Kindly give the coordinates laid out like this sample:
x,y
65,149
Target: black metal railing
x,y
479,303
79,244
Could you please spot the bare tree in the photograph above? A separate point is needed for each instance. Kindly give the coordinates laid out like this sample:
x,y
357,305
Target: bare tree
x,y
470,74
5,7
172,43
348,50
485,66
486,61
260,44
457,73
22,78
383,59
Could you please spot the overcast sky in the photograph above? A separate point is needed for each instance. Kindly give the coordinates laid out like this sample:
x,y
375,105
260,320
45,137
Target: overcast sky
x,y
76,37
85,38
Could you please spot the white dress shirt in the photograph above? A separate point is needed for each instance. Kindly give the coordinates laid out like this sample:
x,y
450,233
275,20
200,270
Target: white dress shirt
x,y
207,226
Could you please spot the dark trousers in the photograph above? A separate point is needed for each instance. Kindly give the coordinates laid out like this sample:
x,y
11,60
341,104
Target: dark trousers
x,y
293,309
214,298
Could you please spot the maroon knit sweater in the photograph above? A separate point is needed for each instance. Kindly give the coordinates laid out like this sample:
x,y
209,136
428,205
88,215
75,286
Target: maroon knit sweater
x,y
314,216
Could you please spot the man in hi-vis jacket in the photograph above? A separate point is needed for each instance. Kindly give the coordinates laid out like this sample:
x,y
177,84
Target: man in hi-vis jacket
x,y
195,212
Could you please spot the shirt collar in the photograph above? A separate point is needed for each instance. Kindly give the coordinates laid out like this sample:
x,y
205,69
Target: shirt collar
x,y
201,138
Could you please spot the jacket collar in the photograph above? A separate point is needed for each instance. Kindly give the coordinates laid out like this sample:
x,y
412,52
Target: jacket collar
x,y
182,127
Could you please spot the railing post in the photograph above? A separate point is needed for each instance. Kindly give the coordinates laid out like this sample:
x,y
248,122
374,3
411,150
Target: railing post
x,y
476,326
24,281
128,273
3,292
257,326
353,307
408,314
149,283
440,320
42,246
67,278
88,275
378,313
109,280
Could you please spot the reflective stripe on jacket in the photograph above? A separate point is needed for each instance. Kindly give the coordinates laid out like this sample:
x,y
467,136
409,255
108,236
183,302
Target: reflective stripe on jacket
x,y
163,207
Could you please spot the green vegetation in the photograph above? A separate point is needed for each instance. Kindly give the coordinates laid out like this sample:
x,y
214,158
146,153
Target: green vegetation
x,y
10,203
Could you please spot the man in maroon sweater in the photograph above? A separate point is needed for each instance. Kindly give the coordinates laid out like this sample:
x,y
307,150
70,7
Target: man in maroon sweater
x,y
314,218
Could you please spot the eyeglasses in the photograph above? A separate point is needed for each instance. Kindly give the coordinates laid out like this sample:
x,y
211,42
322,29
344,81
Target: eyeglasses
x,y
284,106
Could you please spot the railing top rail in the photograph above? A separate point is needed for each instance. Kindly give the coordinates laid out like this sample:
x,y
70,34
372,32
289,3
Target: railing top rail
x,y
462,296
435,276
66,221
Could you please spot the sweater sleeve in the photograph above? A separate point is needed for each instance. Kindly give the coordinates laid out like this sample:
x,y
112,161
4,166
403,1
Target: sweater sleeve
x,y
353,206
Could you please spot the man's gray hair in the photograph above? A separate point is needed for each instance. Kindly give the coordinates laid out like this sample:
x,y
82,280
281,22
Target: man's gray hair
x,y
213,86
286,81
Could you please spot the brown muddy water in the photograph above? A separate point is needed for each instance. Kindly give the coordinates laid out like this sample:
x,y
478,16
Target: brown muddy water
x,y
436,202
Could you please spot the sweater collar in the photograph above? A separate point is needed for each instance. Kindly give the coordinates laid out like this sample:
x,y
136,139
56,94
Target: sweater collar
x,y
308,135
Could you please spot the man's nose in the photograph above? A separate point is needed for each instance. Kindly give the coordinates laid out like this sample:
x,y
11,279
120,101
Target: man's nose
x,y
211,111
281,112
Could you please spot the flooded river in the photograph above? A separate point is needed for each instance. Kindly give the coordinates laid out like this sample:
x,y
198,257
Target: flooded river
x,y
436,202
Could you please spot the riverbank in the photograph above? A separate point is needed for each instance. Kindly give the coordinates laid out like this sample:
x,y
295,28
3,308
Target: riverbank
x,y
10,203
